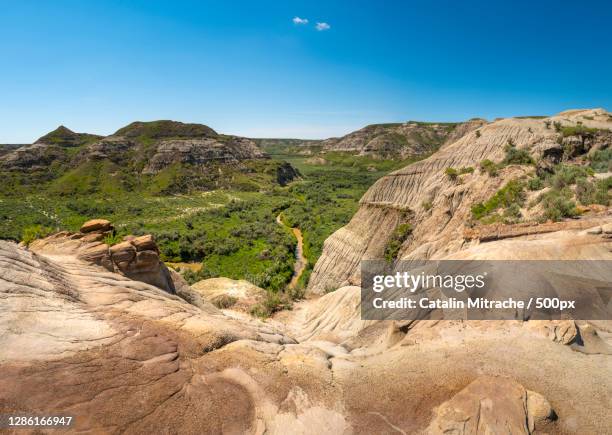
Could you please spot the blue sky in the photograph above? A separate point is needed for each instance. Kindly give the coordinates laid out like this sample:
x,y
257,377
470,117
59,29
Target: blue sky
x,y
245,67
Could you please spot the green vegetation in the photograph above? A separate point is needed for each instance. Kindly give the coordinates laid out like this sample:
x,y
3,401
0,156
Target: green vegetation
x,y
454,174
557,204
512,196
451,173
578,130
514,156
601,160
489,167
34,232
231,230
399,236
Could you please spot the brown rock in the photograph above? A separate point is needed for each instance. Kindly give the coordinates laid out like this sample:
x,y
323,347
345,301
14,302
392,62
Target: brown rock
x,y
92,237
146,260
96,225
145,243
95,253
123,252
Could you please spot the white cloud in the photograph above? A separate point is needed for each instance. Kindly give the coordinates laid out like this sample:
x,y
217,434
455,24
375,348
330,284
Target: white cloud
x,y
298,20
322,26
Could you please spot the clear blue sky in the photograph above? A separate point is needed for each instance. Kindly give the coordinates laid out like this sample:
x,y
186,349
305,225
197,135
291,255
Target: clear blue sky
x,y
245,67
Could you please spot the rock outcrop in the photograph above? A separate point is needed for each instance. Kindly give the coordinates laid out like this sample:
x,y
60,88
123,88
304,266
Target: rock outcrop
x,y
439,228
492,405
136,257
190,156
401,140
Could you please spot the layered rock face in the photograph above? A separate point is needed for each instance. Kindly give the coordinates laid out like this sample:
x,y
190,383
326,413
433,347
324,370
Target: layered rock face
x,y
439,227
136,257
400,140
151,146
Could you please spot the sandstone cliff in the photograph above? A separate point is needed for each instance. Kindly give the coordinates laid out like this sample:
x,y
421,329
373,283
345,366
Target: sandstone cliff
x,y
438,206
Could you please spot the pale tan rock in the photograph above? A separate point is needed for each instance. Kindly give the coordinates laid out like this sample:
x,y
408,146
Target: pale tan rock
x,y
96,225
491,405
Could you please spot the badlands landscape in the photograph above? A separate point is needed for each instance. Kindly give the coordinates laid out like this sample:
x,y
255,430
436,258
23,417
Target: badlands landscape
x,y
131,329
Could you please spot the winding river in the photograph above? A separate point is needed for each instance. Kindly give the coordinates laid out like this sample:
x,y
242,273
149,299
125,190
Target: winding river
x,y
300,260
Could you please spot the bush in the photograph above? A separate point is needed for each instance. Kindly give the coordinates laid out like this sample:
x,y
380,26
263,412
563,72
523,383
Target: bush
x,y
566,175
512,193
224,301
601,160
35,232
427,205
593,193
557,205
451,173
271,304
466,170
514,156
398,237
578,130
112,239
489,167
535,183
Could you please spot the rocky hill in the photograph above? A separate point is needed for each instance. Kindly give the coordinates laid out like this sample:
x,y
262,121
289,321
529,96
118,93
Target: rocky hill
x,y
467,183
401,140
177,155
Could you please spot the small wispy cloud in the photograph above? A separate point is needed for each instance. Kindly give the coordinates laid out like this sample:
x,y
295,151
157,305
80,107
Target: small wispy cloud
x,y
298,20
322,26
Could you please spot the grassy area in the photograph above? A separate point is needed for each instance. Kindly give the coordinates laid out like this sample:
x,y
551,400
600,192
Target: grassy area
x,y
231,230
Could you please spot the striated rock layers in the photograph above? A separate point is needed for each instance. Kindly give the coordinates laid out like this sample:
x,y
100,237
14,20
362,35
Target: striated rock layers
x,y
437,206
400,140
147,146
136,257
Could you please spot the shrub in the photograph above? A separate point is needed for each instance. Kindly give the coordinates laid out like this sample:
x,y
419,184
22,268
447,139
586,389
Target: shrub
x,y
478,134
489,167
224,301
112,239
593,193
557,205
399,236
514,156
512,214
566,175
271,304
578,130
427,205
512,193
34,232
451,173
535,183
601,160
466,170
